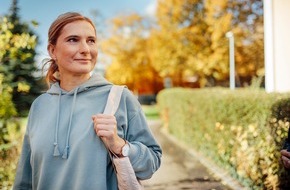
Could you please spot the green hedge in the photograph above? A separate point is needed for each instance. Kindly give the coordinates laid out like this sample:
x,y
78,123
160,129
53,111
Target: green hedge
x,y
241,130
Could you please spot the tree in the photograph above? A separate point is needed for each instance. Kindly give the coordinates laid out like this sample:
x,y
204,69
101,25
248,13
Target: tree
x,y
190,39
17,59
248,19
131,64
9,136
8,150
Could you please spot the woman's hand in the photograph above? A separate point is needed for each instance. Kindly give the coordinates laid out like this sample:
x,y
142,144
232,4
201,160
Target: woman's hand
x,y
285,156
106,128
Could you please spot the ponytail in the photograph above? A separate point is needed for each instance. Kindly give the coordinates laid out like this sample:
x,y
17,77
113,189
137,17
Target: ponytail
x,y
52,72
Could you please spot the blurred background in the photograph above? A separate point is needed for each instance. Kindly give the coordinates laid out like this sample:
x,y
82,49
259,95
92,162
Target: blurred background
x,y
148,45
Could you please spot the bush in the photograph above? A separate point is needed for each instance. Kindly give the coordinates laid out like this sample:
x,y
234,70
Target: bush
x,y
151,112
9,152
235,128
147,99
10,137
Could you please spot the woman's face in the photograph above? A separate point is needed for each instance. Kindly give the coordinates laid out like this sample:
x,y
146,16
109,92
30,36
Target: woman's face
x,y
76,49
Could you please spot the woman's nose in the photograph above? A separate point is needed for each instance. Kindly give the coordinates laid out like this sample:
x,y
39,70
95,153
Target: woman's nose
x,y
84,47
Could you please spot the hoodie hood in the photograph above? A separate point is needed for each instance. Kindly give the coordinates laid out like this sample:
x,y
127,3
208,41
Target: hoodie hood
x,y
94,81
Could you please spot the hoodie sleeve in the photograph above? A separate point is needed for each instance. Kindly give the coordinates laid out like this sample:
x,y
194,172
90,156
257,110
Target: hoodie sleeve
x,y
23,179
145,152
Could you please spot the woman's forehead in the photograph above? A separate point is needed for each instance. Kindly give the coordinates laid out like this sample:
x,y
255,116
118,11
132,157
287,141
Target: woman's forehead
x,y
79,27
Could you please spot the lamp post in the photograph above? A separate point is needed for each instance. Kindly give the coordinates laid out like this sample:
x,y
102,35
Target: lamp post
x,y
230,36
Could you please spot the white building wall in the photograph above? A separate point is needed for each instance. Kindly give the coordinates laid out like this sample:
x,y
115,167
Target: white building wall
x,y
277,45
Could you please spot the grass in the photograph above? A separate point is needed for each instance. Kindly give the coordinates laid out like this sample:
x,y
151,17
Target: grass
x,y
151,112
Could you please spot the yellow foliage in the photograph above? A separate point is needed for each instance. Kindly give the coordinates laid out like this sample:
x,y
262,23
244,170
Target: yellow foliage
x,y
23,87
189,39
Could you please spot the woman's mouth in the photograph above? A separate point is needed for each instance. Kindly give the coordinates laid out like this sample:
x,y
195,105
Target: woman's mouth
x,y
83,60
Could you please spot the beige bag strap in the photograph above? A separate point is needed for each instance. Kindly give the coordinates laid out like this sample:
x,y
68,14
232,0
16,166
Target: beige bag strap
x,y
113,100
112,105
124,171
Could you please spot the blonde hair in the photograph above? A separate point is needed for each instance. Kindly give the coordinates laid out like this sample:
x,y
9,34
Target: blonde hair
x,y
53,34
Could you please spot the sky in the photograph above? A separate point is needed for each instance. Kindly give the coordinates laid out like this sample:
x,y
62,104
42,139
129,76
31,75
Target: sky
x,y
45,11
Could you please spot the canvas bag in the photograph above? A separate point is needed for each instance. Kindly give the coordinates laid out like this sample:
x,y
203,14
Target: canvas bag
x,y
125,173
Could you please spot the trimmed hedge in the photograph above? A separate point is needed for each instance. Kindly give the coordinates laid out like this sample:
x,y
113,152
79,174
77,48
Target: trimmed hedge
x,y
241,130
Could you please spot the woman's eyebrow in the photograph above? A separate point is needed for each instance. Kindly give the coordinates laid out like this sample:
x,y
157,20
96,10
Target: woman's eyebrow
x,y
92,37
76,36
71,36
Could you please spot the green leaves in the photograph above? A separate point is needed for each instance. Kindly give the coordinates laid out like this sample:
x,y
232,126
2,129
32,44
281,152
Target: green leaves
x,y
241,130
17,45
7,109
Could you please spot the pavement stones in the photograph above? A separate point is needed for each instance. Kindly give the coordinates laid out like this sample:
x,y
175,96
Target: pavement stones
x,y
182,170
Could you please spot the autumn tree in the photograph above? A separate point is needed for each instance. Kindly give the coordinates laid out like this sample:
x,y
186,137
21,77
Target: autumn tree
x,y
248,27
127,47
8,139
170,43
17,59
190,39
187,40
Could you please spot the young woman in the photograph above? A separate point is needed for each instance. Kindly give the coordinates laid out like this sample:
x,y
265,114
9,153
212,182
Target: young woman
x,y
62,147
285,154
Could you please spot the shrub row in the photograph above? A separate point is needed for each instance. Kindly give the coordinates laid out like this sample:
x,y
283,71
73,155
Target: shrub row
x,y
240,130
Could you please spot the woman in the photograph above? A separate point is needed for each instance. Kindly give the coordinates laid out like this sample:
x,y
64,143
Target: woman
x,y
285,153
62,147
285,156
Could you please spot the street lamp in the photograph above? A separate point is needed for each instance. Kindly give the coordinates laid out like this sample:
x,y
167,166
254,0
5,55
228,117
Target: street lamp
x,y
230,36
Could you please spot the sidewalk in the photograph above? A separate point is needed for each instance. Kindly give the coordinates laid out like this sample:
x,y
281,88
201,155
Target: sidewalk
x,y
182,168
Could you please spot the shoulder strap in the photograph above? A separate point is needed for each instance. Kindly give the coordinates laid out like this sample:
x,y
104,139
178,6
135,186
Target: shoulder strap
x,y
112,105
113,100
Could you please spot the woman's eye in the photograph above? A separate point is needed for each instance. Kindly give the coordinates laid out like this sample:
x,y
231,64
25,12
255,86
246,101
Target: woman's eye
x,y
92,41
72,40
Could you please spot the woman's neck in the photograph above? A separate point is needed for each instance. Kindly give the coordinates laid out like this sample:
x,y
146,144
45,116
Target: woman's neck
x,y
68,83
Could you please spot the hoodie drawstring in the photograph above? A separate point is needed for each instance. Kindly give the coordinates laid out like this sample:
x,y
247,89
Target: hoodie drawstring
x,y
56,149
66,149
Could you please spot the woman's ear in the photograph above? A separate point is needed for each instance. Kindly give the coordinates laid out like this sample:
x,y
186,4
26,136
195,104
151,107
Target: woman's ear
x,y
50,49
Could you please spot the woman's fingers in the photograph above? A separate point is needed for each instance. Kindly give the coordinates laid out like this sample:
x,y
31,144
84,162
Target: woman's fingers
x,y
285,158
105,125
285,153
105,133
104,119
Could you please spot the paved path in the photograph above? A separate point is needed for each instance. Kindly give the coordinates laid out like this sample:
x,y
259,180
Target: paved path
x,y
179,170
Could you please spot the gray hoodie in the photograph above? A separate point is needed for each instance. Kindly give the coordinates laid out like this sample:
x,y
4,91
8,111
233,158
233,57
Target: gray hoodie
x,y
61,150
